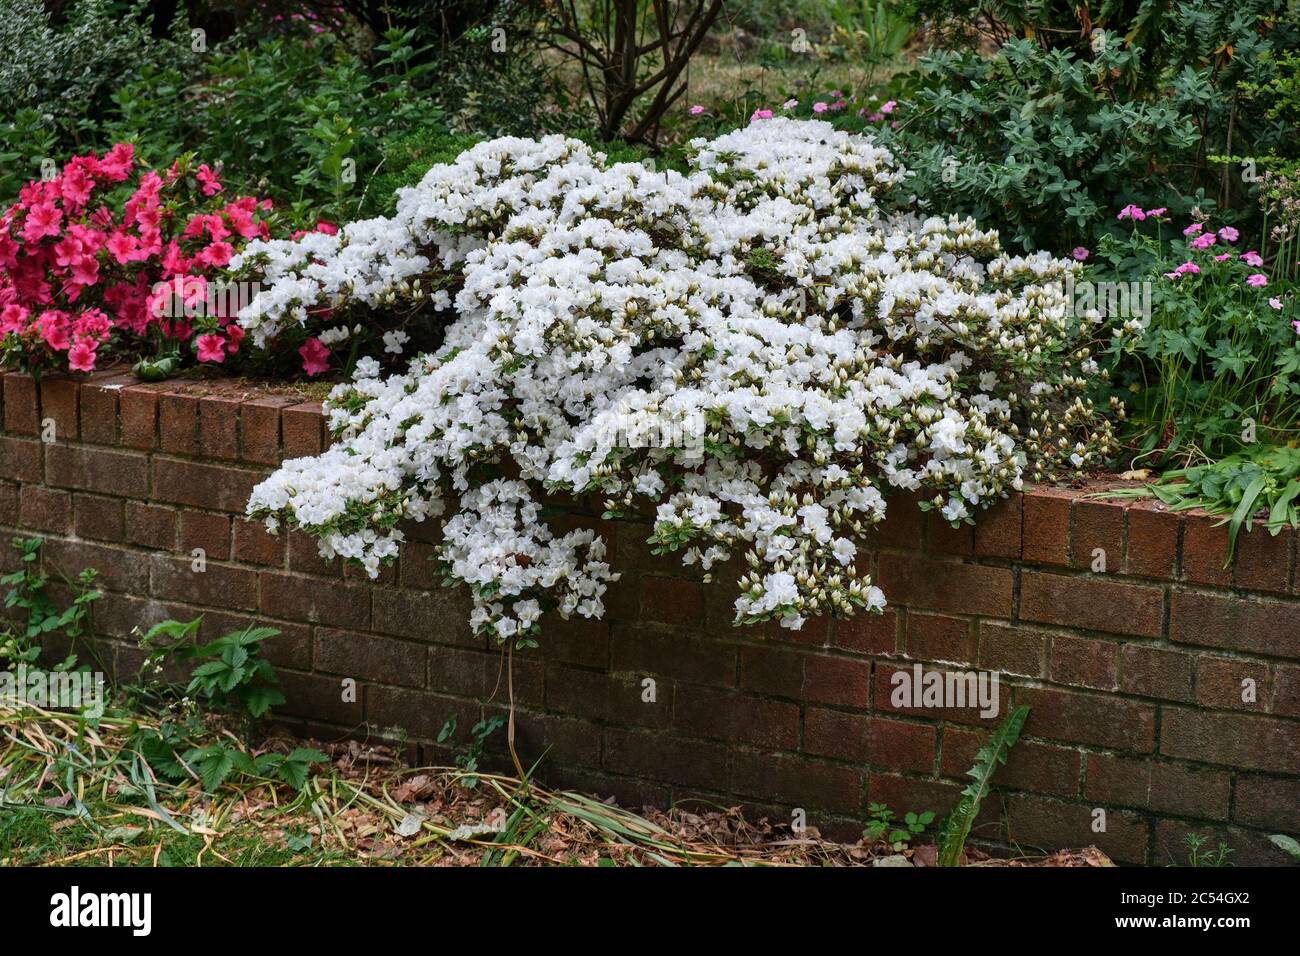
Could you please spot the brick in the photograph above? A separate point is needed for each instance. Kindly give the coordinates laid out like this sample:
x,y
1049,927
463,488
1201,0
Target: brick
x,y
701,660
999,529
368,657
867,633
218,585
1047,525
485,674
1011,649
1156,672
836,680
20,459
150,526
305,556
564,740
942,538
1042,768
118,569
59,405
420,566
672,601
297,598
138,407
439,617
1097,534
178,424
946,586
615,698
302,429
208,531
892,683
41,509
1260,626
215,487
259,439
1175,788
892,744
291,647
689,763
8,504
1246,847
1084,662
1205,551
120,474
797,782
21,408
1091,603
1035,822
1268,802
1286,691
713,712
98,410
909,794
770,670
1220,684
253,544
904,524
1231,740
1152,548
1098,719
579,640
219,427
933,638
1263,561
99,518
321,698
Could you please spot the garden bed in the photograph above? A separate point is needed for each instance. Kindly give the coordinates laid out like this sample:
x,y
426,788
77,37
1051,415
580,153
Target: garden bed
x,y
1163,690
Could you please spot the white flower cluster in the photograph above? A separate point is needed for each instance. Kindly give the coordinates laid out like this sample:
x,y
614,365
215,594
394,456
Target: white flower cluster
x,y
758,350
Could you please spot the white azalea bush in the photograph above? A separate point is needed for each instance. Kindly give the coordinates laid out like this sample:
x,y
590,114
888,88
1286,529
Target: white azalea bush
x,y
760,351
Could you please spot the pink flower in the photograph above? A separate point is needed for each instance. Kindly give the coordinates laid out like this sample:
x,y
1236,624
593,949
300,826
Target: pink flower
x,y
122,246
1194,229
1157,212
1228,234
211,348
1223,256
820,107
315,357
217,254
1203,241
789,104
1257,279
234,335
1131,212
1275,302
1079,253
888,107
81,357
208,180
1251,259
1184,269
327,227
760,115
43,220
85,271
697,109
1295,324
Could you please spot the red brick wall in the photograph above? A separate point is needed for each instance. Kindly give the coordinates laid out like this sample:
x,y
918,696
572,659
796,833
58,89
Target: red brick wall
x,y
1134,675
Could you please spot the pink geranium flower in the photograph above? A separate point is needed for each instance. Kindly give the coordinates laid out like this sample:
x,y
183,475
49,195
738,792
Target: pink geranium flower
x,y
1132,212
697,109
820,107
760,115
1203,241
1187,268
1275,302
1228,234
1080,253
1194,229
1257,279
1252,258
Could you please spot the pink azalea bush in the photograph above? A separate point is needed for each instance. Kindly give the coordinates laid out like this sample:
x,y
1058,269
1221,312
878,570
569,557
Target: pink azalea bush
x,y
109,256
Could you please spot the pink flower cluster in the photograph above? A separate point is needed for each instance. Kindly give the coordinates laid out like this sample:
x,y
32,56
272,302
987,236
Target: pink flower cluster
x,y
100,250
